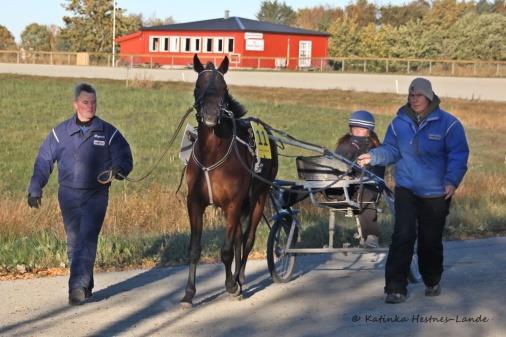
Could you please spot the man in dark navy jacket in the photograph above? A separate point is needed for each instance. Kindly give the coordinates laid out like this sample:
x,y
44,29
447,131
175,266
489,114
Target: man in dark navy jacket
x,y
430,152
84,146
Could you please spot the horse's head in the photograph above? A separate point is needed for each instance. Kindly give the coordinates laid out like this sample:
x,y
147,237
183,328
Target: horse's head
x,y
211,92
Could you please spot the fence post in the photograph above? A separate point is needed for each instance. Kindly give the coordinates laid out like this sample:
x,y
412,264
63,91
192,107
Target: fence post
x,y
258,63
430,67
342,65
386,62
321,64
131,61
151,62
453,68
51,58
408,66
109,60
18,56
68,59
497,72
474,68
365,66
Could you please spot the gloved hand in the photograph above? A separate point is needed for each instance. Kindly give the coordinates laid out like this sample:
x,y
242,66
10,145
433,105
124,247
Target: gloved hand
x,y
34,202
115,170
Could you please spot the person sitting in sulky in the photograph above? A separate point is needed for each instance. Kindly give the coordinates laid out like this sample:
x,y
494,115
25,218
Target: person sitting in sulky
x,y
360,139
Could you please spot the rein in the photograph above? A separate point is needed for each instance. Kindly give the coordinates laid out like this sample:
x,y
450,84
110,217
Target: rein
x,y
267,181
106,176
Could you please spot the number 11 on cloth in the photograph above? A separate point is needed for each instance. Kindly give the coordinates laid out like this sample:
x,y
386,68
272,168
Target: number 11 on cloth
x,y
263,145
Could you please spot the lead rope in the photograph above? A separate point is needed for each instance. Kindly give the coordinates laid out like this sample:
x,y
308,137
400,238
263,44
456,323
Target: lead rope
x,y
107,174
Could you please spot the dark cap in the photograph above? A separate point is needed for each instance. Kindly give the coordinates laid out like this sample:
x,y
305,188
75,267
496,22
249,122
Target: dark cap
x,y
423,86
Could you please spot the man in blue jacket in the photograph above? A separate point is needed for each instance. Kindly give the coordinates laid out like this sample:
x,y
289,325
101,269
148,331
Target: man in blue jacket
x,y
430,152
84,146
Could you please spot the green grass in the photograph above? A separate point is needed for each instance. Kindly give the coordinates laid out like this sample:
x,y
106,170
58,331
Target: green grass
x,y
146,221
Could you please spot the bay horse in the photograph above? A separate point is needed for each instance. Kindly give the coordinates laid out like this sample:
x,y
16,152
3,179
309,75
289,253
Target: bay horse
x,y
216,175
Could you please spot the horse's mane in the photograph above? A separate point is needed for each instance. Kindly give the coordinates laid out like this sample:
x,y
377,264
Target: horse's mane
x,y
237,108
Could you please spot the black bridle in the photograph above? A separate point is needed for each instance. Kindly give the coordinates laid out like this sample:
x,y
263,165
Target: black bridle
x,y
199,101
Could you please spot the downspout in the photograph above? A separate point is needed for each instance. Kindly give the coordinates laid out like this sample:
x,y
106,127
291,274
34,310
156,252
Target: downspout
x,y
288,53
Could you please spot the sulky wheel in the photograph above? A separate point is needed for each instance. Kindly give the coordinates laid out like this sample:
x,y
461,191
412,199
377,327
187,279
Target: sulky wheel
x,y
281,264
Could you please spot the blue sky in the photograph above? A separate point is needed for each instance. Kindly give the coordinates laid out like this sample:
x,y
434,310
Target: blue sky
x,y
17,14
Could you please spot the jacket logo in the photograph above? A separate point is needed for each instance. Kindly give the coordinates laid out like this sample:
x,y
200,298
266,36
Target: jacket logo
x,y
434,136
98,136
99,142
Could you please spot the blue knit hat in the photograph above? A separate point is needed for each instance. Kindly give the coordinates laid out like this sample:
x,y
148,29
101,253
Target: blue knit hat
x,y
362,119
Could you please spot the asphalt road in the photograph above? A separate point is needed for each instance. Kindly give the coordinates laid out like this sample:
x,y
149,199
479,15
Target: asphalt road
x,y
458,87
332,295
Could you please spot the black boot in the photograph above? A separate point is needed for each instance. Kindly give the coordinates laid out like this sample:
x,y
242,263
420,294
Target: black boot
x,y
77,296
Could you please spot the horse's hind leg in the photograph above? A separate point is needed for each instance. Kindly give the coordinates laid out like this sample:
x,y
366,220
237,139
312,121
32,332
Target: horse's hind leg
x,y
233,215
195,211
249,240
237,249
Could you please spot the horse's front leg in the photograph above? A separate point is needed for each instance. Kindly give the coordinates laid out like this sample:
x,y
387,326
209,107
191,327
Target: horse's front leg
x,y
195,211
233,215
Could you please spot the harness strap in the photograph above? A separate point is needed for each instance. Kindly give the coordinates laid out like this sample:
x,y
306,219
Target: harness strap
x,y
247,145
209,189
215,165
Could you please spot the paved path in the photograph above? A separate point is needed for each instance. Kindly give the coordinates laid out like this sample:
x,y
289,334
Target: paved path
x,y
331,296
457,87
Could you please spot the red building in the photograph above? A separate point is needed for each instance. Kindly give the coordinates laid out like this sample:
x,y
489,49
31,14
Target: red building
x,y
248,44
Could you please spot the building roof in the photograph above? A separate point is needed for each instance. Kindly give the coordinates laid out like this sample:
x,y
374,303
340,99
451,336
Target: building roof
x,y
128,36
235,23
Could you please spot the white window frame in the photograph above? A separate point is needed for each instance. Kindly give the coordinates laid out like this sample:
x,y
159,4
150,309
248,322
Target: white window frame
x,y
216,43
174,44
205,39
193,44
182,45
151,41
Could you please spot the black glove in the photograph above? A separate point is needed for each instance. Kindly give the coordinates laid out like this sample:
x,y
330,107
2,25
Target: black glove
x,y
117,173
34,202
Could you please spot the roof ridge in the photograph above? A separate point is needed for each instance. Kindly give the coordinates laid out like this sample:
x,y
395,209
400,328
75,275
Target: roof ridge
x,y
238,21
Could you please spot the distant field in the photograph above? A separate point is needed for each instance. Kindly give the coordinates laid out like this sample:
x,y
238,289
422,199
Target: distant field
x,y
146,221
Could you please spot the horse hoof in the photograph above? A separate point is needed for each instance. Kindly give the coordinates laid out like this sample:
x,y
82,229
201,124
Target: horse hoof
x,y
235,290
186,303
236,297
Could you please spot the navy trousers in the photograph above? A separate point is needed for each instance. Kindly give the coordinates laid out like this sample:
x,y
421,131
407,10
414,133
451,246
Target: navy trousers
x,y
83,213
422,219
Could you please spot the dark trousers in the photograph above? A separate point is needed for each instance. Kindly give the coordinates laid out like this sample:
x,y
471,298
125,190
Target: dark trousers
x,y
422,219
83,213
369,216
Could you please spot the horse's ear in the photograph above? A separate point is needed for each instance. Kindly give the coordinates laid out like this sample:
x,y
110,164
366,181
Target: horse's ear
x,y
197,65
223,68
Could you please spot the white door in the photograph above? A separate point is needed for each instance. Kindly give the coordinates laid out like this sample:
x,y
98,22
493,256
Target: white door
x,y
304,54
